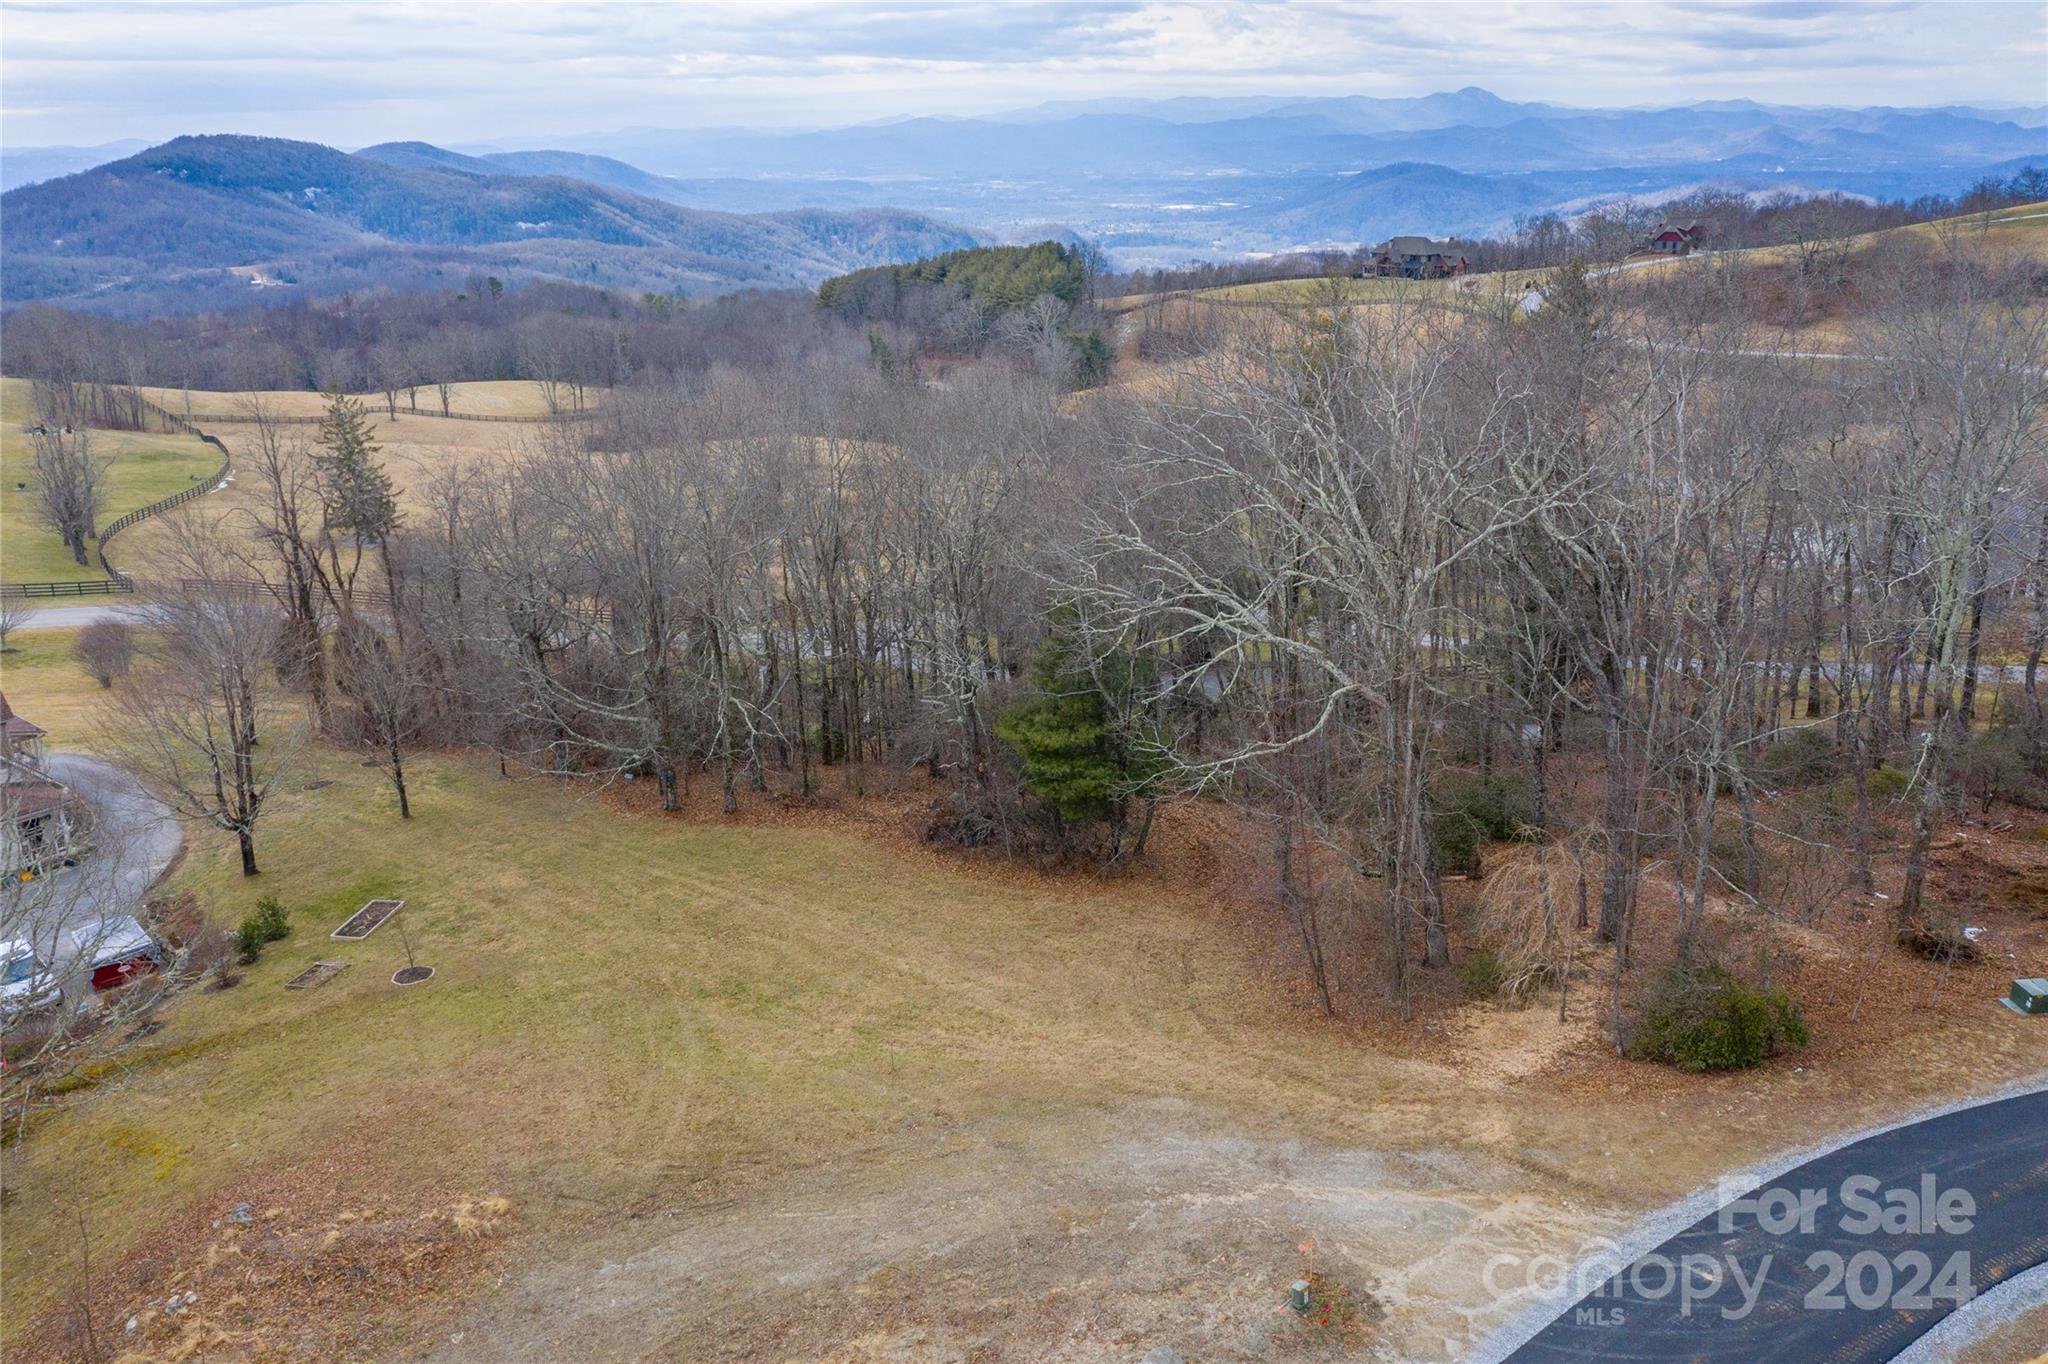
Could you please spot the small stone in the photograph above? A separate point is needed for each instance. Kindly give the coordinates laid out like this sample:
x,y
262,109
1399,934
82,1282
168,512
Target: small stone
x,y
1162,1354
133,1323
240,1213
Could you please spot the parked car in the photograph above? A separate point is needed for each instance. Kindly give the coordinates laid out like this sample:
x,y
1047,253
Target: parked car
x,y
114,951
27,984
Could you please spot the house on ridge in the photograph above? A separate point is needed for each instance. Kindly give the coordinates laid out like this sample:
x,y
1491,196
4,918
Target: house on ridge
x,y
1417,258
1675,241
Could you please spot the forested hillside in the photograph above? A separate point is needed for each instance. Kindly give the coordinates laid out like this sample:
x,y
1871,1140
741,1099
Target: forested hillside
x,y
210,221
1034,298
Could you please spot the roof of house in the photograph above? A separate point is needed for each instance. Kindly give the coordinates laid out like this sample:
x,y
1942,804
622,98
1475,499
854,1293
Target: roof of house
x,y
17,728
31,794
1417,246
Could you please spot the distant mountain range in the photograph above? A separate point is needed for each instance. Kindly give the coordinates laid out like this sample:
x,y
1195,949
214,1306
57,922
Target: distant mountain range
x,y
190,223
200,221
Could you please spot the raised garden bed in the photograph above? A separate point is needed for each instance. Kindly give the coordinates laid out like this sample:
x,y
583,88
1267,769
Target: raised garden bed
x,y
319,973
365,921
412,975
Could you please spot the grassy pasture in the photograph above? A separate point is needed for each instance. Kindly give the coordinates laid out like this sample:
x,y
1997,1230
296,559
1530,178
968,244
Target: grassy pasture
x,y
414,448
142,468
2023,227
483,398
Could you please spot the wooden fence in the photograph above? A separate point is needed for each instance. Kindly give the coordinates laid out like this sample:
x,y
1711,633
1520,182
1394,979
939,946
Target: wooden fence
x,y
116,581
244,419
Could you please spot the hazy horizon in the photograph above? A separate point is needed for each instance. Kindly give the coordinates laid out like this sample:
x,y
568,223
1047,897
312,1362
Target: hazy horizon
x,y
86,75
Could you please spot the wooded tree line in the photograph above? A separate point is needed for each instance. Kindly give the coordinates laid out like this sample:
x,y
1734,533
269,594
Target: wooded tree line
x,y
1734,221
1025,304
1349,573
411,345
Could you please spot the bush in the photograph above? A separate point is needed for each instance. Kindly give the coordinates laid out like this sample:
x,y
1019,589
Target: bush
x,y
105,648
249,942
1481,975
1994,767
1884,782
1805,757
1703,1017
1475,810
270,919
268,923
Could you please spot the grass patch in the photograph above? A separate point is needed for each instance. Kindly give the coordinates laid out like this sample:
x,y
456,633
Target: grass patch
x,y
45,684
632,1003
144,468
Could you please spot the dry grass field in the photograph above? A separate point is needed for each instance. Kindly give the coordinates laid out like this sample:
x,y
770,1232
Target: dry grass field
x,y
141,468
486,398
790,1085
414,447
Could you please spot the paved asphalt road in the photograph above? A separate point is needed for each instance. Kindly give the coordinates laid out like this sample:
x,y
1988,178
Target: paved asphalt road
x,y
134,838
1997,1152
74,617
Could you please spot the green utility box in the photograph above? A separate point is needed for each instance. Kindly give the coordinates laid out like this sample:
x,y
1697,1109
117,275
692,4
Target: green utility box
x,y
2028,997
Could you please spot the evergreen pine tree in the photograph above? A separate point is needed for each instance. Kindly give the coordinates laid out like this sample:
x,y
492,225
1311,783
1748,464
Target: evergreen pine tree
x,y
1076,752
356,489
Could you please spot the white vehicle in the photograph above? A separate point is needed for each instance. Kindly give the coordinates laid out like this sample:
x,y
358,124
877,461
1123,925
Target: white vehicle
x,y
27,984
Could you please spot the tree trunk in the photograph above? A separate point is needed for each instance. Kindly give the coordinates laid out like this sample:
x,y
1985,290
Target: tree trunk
x,y
398,781
247,845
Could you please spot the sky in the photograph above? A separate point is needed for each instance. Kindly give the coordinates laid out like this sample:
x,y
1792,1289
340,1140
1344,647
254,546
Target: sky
x,y
352,74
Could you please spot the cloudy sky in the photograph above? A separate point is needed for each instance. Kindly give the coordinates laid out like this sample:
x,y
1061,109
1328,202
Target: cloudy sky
x,y
351,74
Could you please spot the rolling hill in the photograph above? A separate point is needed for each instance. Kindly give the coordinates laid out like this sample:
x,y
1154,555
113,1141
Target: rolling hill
x,y
199,220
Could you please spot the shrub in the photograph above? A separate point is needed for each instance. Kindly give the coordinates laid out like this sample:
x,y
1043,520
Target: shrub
x,y
105,648
267,923
1475,810
1805,757
249,942
270,919
1481,975
1995,767
1702,1017
1884,782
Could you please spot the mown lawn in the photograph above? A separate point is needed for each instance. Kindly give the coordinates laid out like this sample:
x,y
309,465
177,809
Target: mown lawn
x,y
142,468
44,683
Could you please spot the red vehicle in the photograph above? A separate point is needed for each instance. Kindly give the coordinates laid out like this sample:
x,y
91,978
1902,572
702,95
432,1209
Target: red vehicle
x,y
115,951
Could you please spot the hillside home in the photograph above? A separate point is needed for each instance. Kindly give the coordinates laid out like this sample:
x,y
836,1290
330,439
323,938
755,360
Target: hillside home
x,y
41,819
1417,258
1675,241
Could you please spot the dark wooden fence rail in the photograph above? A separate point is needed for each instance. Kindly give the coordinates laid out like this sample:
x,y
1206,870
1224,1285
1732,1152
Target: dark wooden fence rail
x,y
244,419
116,581
90,588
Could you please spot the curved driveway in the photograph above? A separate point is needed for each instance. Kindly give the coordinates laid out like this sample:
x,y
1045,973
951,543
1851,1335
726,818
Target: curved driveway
x,y
1964,1193
135,838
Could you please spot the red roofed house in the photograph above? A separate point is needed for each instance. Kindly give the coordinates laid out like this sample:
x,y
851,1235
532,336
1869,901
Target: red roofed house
x,y
40,817
1675,241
